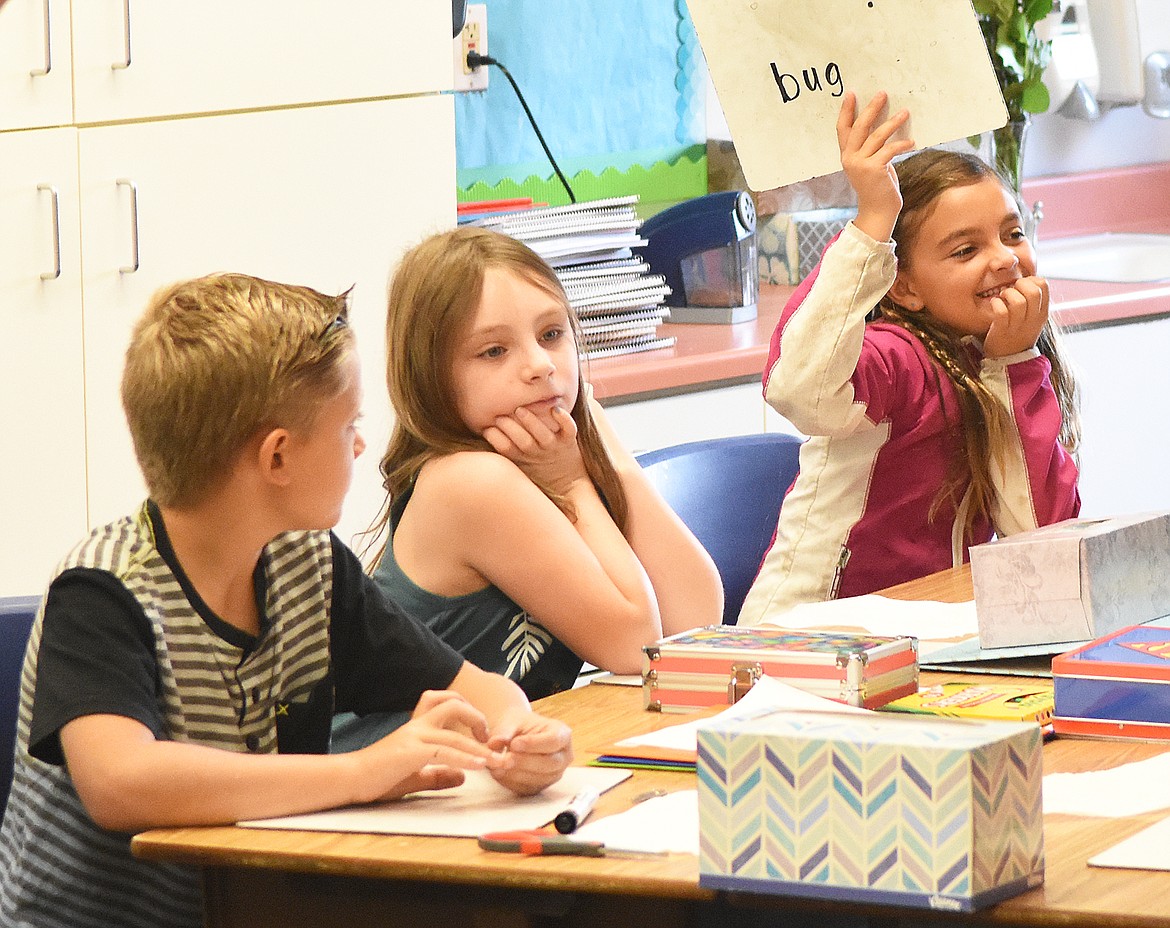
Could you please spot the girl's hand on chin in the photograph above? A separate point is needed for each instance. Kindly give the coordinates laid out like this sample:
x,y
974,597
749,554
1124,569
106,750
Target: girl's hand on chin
x,y
1019,316
545,449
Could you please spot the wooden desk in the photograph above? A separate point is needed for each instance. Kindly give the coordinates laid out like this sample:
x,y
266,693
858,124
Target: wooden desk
x,y
259,877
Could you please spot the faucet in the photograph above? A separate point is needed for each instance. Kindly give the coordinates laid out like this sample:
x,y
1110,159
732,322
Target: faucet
x,y
1080,103
1156,98
1032,221
1132,42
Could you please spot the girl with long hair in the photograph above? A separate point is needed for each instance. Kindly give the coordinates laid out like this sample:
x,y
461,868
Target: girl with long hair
x,y
518,527
920,359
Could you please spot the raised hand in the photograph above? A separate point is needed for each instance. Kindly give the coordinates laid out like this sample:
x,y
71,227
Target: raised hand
x,y
868,150
1019,315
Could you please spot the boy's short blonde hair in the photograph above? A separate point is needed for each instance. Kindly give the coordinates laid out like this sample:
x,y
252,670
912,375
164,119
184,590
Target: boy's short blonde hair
x,y
214,362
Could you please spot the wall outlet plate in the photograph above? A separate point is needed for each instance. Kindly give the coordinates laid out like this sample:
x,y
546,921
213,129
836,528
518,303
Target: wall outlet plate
x,y
473,38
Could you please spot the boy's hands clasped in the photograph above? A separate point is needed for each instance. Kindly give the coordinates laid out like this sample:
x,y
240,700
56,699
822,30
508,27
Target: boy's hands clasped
x,y
538,749
446,735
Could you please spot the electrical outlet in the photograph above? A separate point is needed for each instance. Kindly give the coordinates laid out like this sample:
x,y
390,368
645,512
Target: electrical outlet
x,y
473,38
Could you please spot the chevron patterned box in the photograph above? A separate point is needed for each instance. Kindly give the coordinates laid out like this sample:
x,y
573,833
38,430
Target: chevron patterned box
x,y
943,814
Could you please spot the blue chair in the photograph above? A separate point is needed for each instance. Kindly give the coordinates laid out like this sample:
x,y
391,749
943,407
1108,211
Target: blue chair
x,y
16,619
728,491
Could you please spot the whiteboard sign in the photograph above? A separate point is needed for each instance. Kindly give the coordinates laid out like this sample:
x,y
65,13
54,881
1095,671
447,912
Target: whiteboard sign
x,y
780,68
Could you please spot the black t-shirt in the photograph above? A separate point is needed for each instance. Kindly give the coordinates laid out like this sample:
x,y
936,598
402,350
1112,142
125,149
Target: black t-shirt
x,y
98,655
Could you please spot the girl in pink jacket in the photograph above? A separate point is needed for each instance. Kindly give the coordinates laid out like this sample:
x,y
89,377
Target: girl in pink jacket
x,y
937,404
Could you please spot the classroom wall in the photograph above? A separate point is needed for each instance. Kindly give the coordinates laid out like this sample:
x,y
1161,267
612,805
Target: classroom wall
x,y
621,86
1120,137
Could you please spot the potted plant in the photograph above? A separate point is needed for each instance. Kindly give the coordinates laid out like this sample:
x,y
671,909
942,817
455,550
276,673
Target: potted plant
x,y
1019,54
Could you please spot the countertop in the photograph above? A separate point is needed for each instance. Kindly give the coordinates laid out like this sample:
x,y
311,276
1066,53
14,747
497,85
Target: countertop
x,y
1134,199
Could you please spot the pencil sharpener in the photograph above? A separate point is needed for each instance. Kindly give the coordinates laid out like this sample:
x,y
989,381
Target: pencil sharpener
x,y
706,249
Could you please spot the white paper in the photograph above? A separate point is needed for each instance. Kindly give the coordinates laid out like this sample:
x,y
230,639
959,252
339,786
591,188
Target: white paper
x,y
617,679
780,68
478,806
667,823
1149,849
767,693
881,615
1131,789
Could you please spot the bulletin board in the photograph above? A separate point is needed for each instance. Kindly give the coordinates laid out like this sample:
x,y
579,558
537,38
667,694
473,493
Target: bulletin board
x,y
780,68
618,88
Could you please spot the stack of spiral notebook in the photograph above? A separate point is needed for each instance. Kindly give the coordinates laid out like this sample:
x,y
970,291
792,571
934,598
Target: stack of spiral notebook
x,y
590,246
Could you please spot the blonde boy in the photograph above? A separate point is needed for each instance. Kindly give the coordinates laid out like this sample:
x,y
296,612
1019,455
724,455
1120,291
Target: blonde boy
x,y
188,658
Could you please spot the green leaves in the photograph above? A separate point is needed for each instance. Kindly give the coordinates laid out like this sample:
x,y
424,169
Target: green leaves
x,y
997,9
1036,10
1018,55
1035,97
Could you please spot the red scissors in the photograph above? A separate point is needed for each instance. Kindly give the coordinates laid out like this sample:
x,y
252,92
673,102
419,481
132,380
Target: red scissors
x,y
532,843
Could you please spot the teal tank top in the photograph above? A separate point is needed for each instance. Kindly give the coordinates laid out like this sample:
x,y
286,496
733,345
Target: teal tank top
x,y
486,626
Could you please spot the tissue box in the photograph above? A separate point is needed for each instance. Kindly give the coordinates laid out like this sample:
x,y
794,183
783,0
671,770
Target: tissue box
x,y
940,813
1116,686
716,664
1073,580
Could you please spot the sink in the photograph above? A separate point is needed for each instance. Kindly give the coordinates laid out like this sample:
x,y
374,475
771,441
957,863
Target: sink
x,y
1118,257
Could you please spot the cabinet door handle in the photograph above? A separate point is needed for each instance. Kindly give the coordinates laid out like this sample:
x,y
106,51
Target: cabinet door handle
x,y
41,72
56,272
118,65
133,265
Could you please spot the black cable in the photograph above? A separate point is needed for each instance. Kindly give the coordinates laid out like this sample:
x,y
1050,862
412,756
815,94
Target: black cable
x,y
474,60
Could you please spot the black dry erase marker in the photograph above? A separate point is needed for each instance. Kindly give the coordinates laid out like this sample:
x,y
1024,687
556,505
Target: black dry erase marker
x,y
577,811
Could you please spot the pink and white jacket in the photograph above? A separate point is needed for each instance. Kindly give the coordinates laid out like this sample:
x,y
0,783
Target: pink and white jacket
x,y
883,422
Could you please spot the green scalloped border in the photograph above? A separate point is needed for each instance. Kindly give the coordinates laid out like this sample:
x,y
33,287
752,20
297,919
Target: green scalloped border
x,y
661,182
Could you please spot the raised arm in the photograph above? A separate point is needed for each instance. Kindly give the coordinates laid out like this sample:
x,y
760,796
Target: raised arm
x,y
868,149
817,344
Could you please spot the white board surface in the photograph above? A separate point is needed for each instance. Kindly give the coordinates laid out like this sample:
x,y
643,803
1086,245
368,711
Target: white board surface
x,y
781,67
479,806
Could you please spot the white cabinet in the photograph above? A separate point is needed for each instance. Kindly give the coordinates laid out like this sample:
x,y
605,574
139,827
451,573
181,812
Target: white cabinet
x,y
42,465
136,58
315,200
1124,380
36,72
644,425
303,142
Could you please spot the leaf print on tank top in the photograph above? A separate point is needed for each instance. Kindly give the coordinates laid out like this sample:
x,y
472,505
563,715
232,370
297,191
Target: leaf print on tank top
x,y
525,645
